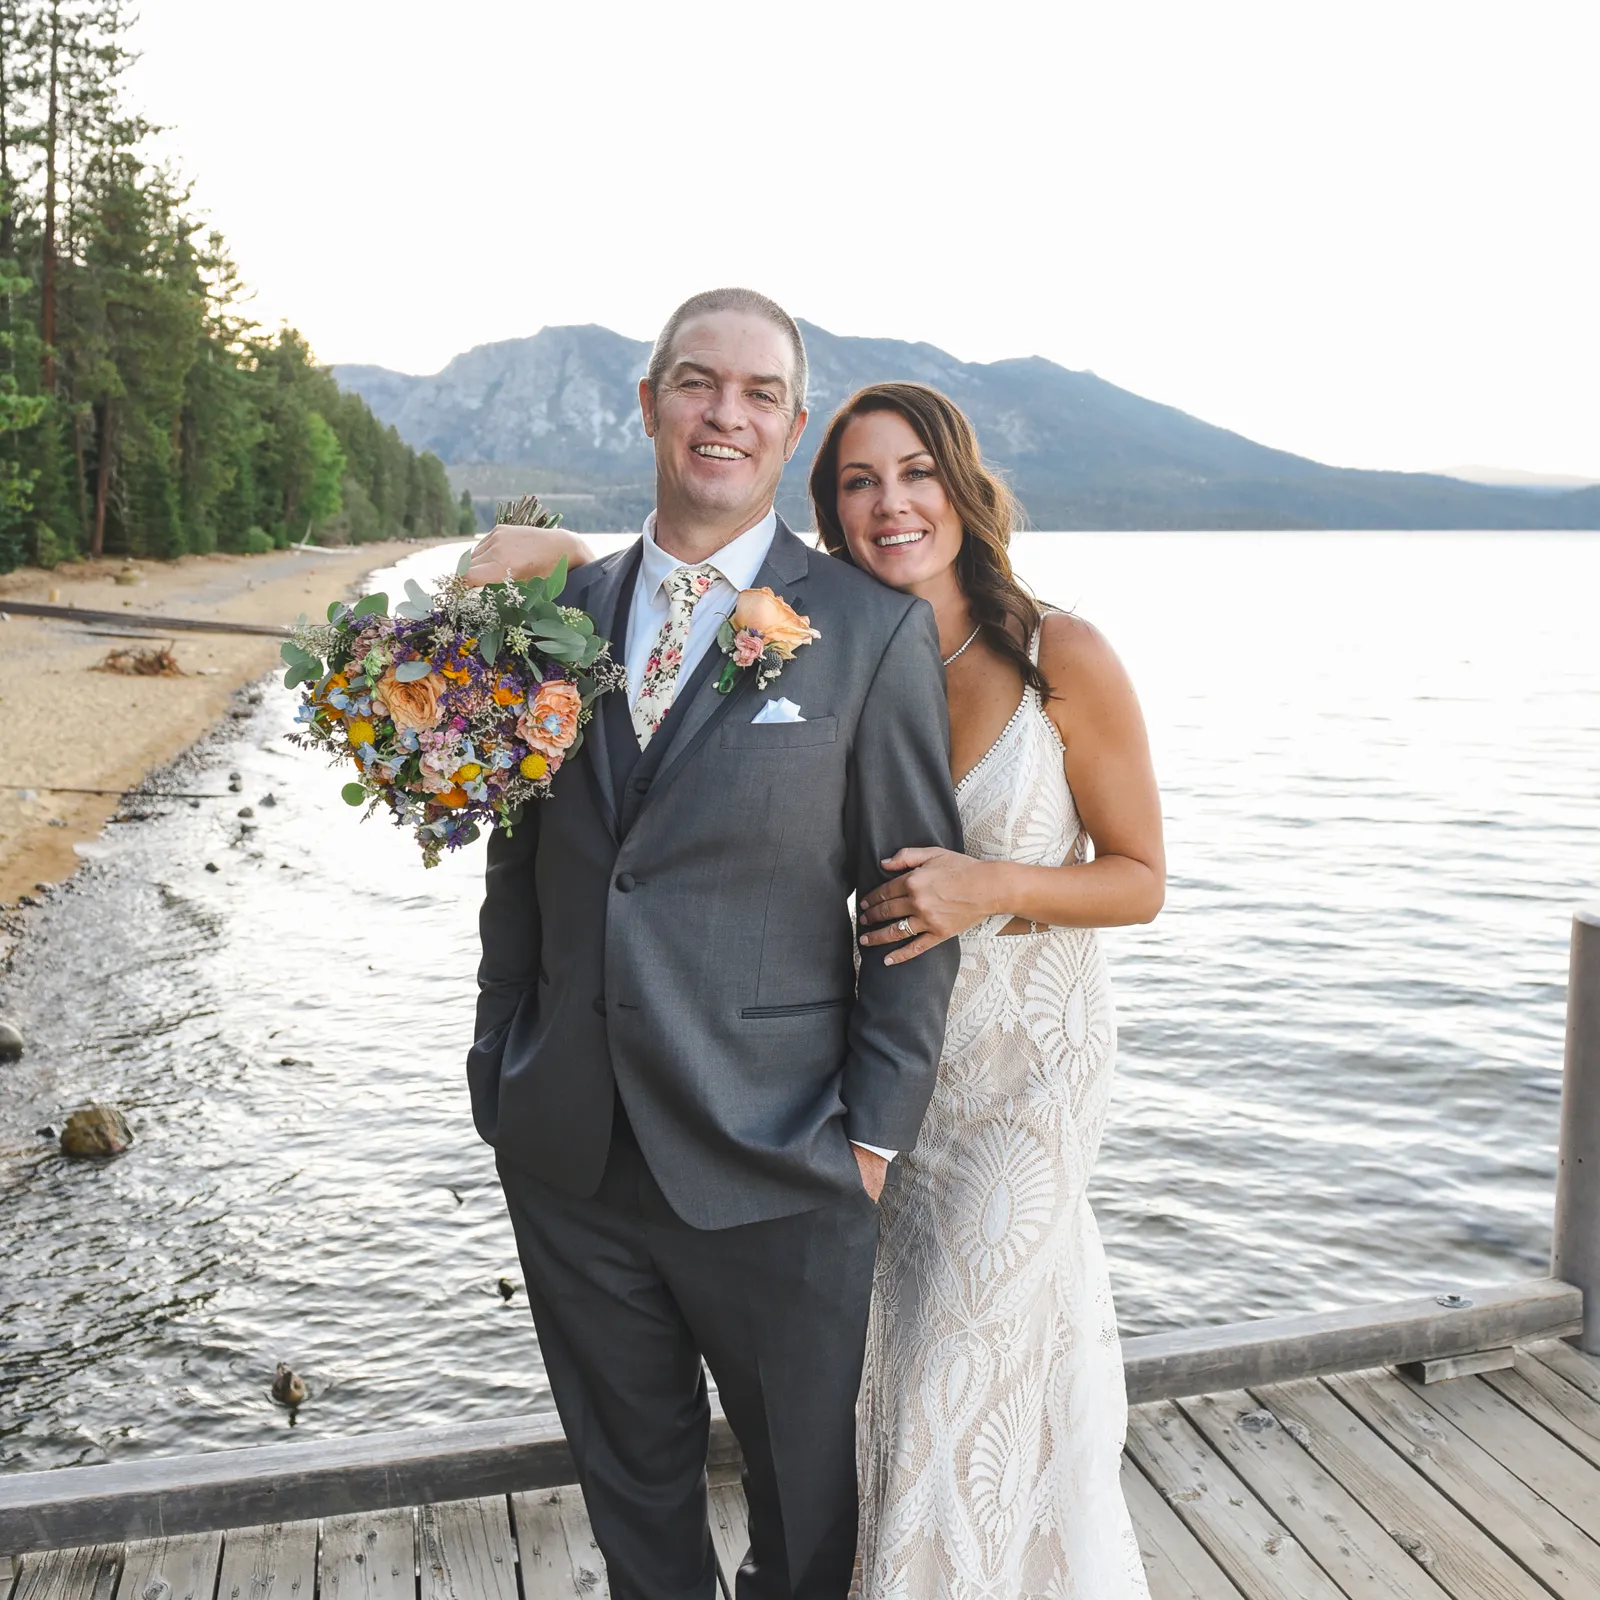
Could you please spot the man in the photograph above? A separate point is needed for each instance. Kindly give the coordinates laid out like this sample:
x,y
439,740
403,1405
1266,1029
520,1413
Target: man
x,y
690,1097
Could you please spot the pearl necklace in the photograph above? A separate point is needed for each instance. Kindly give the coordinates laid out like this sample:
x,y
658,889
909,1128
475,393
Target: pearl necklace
x,y
956,652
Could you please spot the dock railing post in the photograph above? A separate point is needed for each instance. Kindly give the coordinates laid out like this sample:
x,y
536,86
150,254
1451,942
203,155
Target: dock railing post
x,y
1575,1257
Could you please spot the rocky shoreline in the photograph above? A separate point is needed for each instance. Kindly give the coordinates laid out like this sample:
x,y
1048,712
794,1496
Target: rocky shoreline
x,y
72,724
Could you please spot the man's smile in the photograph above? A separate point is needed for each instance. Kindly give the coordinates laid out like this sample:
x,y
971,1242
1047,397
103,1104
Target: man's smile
x,y
719,452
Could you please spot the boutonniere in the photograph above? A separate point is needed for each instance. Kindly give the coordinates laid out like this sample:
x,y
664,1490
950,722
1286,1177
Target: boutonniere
x,y
764,632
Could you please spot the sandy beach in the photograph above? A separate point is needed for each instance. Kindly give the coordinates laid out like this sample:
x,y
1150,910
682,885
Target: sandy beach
x,y
67,724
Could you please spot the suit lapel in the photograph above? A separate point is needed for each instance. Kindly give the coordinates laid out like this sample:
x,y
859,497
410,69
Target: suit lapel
x,y
605,604
786,565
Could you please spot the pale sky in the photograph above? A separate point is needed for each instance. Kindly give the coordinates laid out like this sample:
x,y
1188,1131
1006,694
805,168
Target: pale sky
x,y
1366,232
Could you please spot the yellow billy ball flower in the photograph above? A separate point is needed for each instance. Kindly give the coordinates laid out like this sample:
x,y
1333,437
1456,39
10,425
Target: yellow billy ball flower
x,y
467,773
361,732
534,766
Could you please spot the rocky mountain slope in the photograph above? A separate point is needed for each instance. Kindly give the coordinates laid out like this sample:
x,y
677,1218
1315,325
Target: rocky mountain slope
x,y
557,413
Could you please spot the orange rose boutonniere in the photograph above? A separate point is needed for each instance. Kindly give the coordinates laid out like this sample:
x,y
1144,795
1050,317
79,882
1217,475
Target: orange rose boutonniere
x,y
764,632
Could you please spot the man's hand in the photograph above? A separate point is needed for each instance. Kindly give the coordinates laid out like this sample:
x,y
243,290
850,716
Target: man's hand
x,y
874,1169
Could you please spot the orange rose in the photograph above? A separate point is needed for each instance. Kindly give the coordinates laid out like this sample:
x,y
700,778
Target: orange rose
x,y
779,624
550,724
411,706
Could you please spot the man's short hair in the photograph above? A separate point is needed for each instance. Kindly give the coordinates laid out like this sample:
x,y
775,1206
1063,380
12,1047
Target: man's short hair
x,y
746,300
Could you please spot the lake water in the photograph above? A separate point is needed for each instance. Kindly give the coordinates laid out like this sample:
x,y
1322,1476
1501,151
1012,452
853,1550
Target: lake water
x,y
1341,1042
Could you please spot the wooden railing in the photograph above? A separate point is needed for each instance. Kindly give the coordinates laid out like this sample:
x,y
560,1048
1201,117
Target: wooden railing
x,y
290,1483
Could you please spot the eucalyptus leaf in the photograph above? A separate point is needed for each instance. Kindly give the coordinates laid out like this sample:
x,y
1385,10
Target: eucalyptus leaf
x,y
412,671
464,563
489,643
725,634
557,581
353,794
371,605
334,609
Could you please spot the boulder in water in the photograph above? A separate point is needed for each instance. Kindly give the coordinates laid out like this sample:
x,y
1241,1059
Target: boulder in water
x,y
10,1041
96,1131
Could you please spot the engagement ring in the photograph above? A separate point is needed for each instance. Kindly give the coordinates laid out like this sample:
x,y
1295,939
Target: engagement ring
x,y
903,927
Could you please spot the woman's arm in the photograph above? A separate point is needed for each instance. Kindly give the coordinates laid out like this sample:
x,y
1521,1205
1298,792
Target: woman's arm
x,y
1096,713
512,551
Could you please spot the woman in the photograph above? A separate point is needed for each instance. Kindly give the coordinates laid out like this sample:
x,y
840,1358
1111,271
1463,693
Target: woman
x,y
993,1408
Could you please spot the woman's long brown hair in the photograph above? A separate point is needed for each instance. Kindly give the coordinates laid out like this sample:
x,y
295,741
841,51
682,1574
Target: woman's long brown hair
x,y
1001,606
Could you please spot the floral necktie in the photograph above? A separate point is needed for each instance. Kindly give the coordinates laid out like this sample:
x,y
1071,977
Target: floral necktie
x,y
686,588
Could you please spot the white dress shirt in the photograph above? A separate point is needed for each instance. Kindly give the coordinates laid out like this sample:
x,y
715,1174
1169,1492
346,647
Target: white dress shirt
x,y
737,565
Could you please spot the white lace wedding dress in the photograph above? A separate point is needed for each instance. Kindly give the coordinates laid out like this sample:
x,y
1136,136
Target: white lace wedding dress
x,y
993,1409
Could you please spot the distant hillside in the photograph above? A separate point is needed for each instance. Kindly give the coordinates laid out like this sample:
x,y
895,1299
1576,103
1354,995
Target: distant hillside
x,y
557,413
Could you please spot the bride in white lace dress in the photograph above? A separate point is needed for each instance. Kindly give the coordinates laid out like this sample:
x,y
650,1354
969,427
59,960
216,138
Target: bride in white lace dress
x,y
992,1409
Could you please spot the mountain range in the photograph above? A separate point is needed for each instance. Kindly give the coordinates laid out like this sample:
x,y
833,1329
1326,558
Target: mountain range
x,y
557,414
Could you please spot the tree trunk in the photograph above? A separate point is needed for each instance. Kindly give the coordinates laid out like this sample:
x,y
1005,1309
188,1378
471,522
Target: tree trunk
x,y
82,477
8,220
104,419
47,288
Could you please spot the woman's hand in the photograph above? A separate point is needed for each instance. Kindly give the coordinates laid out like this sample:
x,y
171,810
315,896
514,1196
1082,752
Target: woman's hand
x,y
940,893
513,551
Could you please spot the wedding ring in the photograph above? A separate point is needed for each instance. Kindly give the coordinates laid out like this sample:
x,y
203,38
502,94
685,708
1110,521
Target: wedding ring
x,y
903,927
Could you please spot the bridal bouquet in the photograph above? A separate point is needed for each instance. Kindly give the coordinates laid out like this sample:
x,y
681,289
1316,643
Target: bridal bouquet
x,y
458,708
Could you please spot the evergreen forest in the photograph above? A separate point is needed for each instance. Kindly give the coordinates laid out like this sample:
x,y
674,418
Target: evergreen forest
x,y
142,413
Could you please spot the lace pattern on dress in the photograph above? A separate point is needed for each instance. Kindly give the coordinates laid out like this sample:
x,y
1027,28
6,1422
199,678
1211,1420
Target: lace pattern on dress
x,y
993,1409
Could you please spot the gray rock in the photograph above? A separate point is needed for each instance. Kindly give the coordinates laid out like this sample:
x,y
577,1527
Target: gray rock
x,y
247,811
11,1044
269,800
96,1131
211,866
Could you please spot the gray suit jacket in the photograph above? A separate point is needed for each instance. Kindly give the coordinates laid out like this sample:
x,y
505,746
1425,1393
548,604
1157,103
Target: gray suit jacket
x,y
674,928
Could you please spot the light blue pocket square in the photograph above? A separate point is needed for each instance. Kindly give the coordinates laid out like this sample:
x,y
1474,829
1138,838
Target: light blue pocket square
x,y
778,711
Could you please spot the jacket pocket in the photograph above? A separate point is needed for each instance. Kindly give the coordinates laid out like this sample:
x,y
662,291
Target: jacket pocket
x,y
780,735
804,1009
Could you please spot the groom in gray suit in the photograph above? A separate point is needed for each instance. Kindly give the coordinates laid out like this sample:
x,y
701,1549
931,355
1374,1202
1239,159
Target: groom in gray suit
x,y
691,1094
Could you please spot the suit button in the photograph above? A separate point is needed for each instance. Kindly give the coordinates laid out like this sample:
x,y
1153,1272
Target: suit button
x,y
641,786
599,1004
625,882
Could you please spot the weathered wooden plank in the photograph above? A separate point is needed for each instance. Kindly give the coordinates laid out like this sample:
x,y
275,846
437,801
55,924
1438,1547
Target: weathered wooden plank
x,y
1545,1542
465,1550
730,1533
277,1562
1445,1368
1553,1403
371,1556
279,1483
1429,1527
1339,1534
1242,1355
1516,1441
87,1573
181,1568
1176,1564
289,1483
1580,1370
541,1544
1575,1239
557,1550
588,1565
1257,1552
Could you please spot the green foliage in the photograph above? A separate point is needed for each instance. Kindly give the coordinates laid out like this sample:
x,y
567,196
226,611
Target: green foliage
x,y
157,420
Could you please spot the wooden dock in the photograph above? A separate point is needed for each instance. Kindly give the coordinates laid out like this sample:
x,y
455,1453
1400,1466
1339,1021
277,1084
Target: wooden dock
x,y
1480,1487
1443,1448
